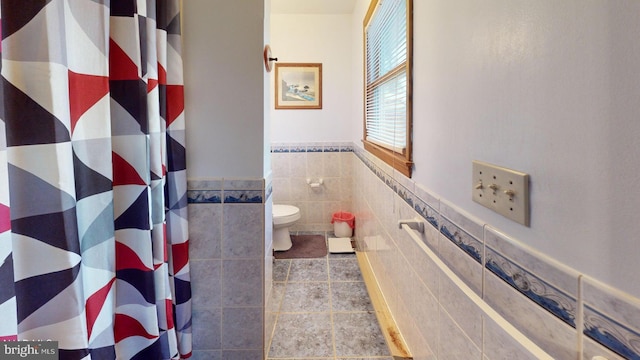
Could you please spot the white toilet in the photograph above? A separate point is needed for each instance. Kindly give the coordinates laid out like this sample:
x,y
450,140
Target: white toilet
x,y
283,217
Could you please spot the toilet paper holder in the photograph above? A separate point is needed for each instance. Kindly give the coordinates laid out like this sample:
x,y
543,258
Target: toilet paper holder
x,y
315,184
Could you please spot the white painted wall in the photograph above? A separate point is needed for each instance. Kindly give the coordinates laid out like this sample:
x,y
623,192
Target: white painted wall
x,y
315,39
550,88
224,88
266,99
546,87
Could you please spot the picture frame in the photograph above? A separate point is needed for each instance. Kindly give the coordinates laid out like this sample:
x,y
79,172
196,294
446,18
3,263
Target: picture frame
x,y
298,86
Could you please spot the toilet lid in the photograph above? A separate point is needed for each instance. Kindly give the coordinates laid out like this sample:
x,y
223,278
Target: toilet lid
x,y
284,210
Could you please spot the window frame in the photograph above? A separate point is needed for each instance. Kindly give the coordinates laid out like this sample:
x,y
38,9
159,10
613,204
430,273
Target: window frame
x,y
401,161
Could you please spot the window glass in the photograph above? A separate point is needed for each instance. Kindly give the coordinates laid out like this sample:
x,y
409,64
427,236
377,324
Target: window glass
x,y
387,132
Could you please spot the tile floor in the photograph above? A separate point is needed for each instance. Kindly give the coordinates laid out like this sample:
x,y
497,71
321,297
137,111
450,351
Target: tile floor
x,y
323,311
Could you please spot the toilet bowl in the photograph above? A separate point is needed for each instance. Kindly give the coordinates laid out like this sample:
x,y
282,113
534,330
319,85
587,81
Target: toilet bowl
x,y
283,217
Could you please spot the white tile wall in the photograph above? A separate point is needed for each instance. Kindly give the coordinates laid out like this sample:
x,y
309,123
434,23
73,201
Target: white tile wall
x,y
538,296
293,164
230,257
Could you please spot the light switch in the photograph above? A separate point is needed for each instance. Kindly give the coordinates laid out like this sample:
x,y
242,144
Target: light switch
x,y
502,190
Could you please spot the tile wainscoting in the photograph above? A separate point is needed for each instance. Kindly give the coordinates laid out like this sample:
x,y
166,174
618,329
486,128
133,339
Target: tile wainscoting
x,y
294,164
565,313
231,262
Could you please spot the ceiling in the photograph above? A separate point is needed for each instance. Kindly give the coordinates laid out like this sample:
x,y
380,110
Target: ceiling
x,y
312,6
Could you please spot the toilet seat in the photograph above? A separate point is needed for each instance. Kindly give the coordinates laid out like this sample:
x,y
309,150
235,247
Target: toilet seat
x,y
284,214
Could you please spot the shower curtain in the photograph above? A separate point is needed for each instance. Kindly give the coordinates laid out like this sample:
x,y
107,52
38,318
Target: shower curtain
x,y
93,217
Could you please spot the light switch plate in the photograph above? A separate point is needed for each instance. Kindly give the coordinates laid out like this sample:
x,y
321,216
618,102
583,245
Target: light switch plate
x,y
502,190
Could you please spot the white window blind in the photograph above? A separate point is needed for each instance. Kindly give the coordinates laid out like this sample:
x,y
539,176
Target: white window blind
x,y
386,76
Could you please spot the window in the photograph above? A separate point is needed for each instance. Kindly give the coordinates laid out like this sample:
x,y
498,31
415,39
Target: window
x,y
387,56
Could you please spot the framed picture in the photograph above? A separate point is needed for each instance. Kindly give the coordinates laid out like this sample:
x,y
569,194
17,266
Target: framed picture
x,y
298,86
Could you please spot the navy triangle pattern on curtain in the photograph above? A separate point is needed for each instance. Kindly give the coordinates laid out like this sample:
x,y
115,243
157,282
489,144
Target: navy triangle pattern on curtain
x,y
93,211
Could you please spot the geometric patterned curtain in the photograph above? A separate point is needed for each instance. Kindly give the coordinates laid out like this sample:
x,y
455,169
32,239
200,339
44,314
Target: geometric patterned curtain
x,y
93,220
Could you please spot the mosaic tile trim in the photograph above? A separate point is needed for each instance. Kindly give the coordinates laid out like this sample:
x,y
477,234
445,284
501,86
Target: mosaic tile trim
x,y
537,290
462,239
613,335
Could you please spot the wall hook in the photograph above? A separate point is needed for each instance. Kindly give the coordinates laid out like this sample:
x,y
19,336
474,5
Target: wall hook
x,y
268,60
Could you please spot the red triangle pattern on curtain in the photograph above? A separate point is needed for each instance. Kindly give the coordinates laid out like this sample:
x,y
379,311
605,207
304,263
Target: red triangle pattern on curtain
x,y
90,206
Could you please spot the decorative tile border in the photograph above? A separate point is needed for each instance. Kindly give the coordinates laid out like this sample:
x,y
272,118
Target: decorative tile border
x,y
610,333
611,318
228,191
537,290
346,148
312,148
297,148
552,272
332,148
243,197
462,239
204,196
426,211
473,227
403,193
280,148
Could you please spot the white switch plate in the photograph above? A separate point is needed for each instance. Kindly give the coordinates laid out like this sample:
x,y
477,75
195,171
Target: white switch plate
x,y
502,190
